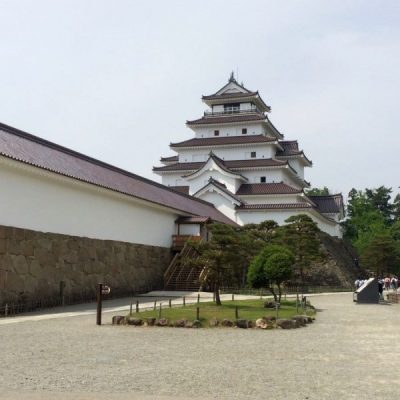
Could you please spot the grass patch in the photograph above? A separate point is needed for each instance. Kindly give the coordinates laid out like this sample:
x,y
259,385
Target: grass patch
x,y
247,309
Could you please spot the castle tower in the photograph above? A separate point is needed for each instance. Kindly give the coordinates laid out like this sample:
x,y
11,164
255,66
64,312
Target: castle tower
x,y
240,162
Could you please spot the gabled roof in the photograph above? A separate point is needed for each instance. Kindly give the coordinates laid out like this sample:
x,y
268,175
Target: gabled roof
x,y
251,189
32,150
227,119
290,150
235,91
219,186
220,163
329,204
225,140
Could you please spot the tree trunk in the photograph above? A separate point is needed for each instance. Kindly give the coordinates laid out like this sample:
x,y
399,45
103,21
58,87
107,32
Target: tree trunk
x,y
216,292
271,289
279,292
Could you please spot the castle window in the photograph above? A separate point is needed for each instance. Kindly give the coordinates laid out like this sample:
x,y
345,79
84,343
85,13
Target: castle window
x,y
263,179
216,133
253,154
244,131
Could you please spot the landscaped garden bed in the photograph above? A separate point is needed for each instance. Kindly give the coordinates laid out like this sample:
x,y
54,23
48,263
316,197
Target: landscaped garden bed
x,y
241,314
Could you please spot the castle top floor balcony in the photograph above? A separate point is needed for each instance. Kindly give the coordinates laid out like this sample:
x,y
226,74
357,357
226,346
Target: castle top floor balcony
x,y
232,110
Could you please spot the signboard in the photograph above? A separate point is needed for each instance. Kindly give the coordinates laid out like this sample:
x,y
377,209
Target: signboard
x,y
105,289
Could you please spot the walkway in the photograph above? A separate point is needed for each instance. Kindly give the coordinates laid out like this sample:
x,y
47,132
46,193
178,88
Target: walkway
x,y
350,352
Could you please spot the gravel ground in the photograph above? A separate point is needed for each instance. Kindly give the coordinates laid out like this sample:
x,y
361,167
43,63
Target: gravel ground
x,y
351,351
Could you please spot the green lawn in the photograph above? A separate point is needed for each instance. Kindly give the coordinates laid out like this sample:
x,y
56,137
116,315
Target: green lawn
x,y
247,309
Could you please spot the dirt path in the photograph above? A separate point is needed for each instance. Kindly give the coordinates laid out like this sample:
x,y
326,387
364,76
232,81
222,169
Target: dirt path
x,y
352,351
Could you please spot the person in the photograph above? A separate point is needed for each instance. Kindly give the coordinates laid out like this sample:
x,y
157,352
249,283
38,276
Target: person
x,y
393,283
387,283
357,283
380,288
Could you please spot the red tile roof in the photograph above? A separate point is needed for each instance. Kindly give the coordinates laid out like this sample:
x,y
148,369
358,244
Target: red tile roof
x,y
279,206
228,95
170,159
248,189
224,140
180,189
330,204
32,150
227,119
230,164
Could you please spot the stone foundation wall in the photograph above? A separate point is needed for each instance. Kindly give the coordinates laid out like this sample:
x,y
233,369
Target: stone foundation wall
x,y
32,264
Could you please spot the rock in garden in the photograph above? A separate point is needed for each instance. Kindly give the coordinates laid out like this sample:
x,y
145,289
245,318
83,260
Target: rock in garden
x,y
213,322
180,323
134,321
151,321
118,320
189,324
196,323
261,323
286,323
269,304
302,319
242,323
162,322
227,322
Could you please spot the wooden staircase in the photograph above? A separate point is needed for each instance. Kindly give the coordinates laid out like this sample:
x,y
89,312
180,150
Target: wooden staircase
x,y
180,275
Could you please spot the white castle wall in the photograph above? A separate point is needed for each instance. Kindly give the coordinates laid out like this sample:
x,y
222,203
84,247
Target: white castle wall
x,y
231,130
221,204
47,202
226,153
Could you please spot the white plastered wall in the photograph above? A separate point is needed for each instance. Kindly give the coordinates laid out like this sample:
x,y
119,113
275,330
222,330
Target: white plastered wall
x,y
221,203
227,153
230,130
43,201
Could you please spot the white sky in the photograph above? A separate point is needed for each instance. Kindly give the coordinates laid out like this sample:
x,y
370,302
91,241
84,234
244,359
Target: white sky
x,y
117,80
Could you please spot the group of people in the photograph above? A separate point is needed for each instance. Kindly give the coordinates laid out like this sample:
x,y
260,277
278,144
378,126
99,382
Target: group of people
x,y
388,283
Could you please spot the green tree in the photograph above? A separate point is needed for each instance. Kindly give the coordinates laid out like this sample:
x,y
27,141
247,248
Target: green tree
x,y
222,256
381,255
273,266
318,191
300,235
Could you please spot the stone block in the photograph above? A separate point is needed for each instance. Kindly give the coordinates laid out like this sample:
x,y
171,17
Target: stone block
x,y
213,322
3,246
13,247
134,321
242,323
45,244
20,264
118,320
150,321
227,323
180,323
19,234
26,247
3,232
286,323
162,322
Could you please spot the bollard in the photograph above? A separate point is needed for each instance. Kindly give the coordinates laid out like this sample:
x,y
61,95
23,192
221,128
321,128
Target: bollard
x,y
6,310
130,309
137,306
184,301
169,303
198,313
214,297
155,305
297,302
159,312
237,312
233,297
276,310
98,316
198,298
